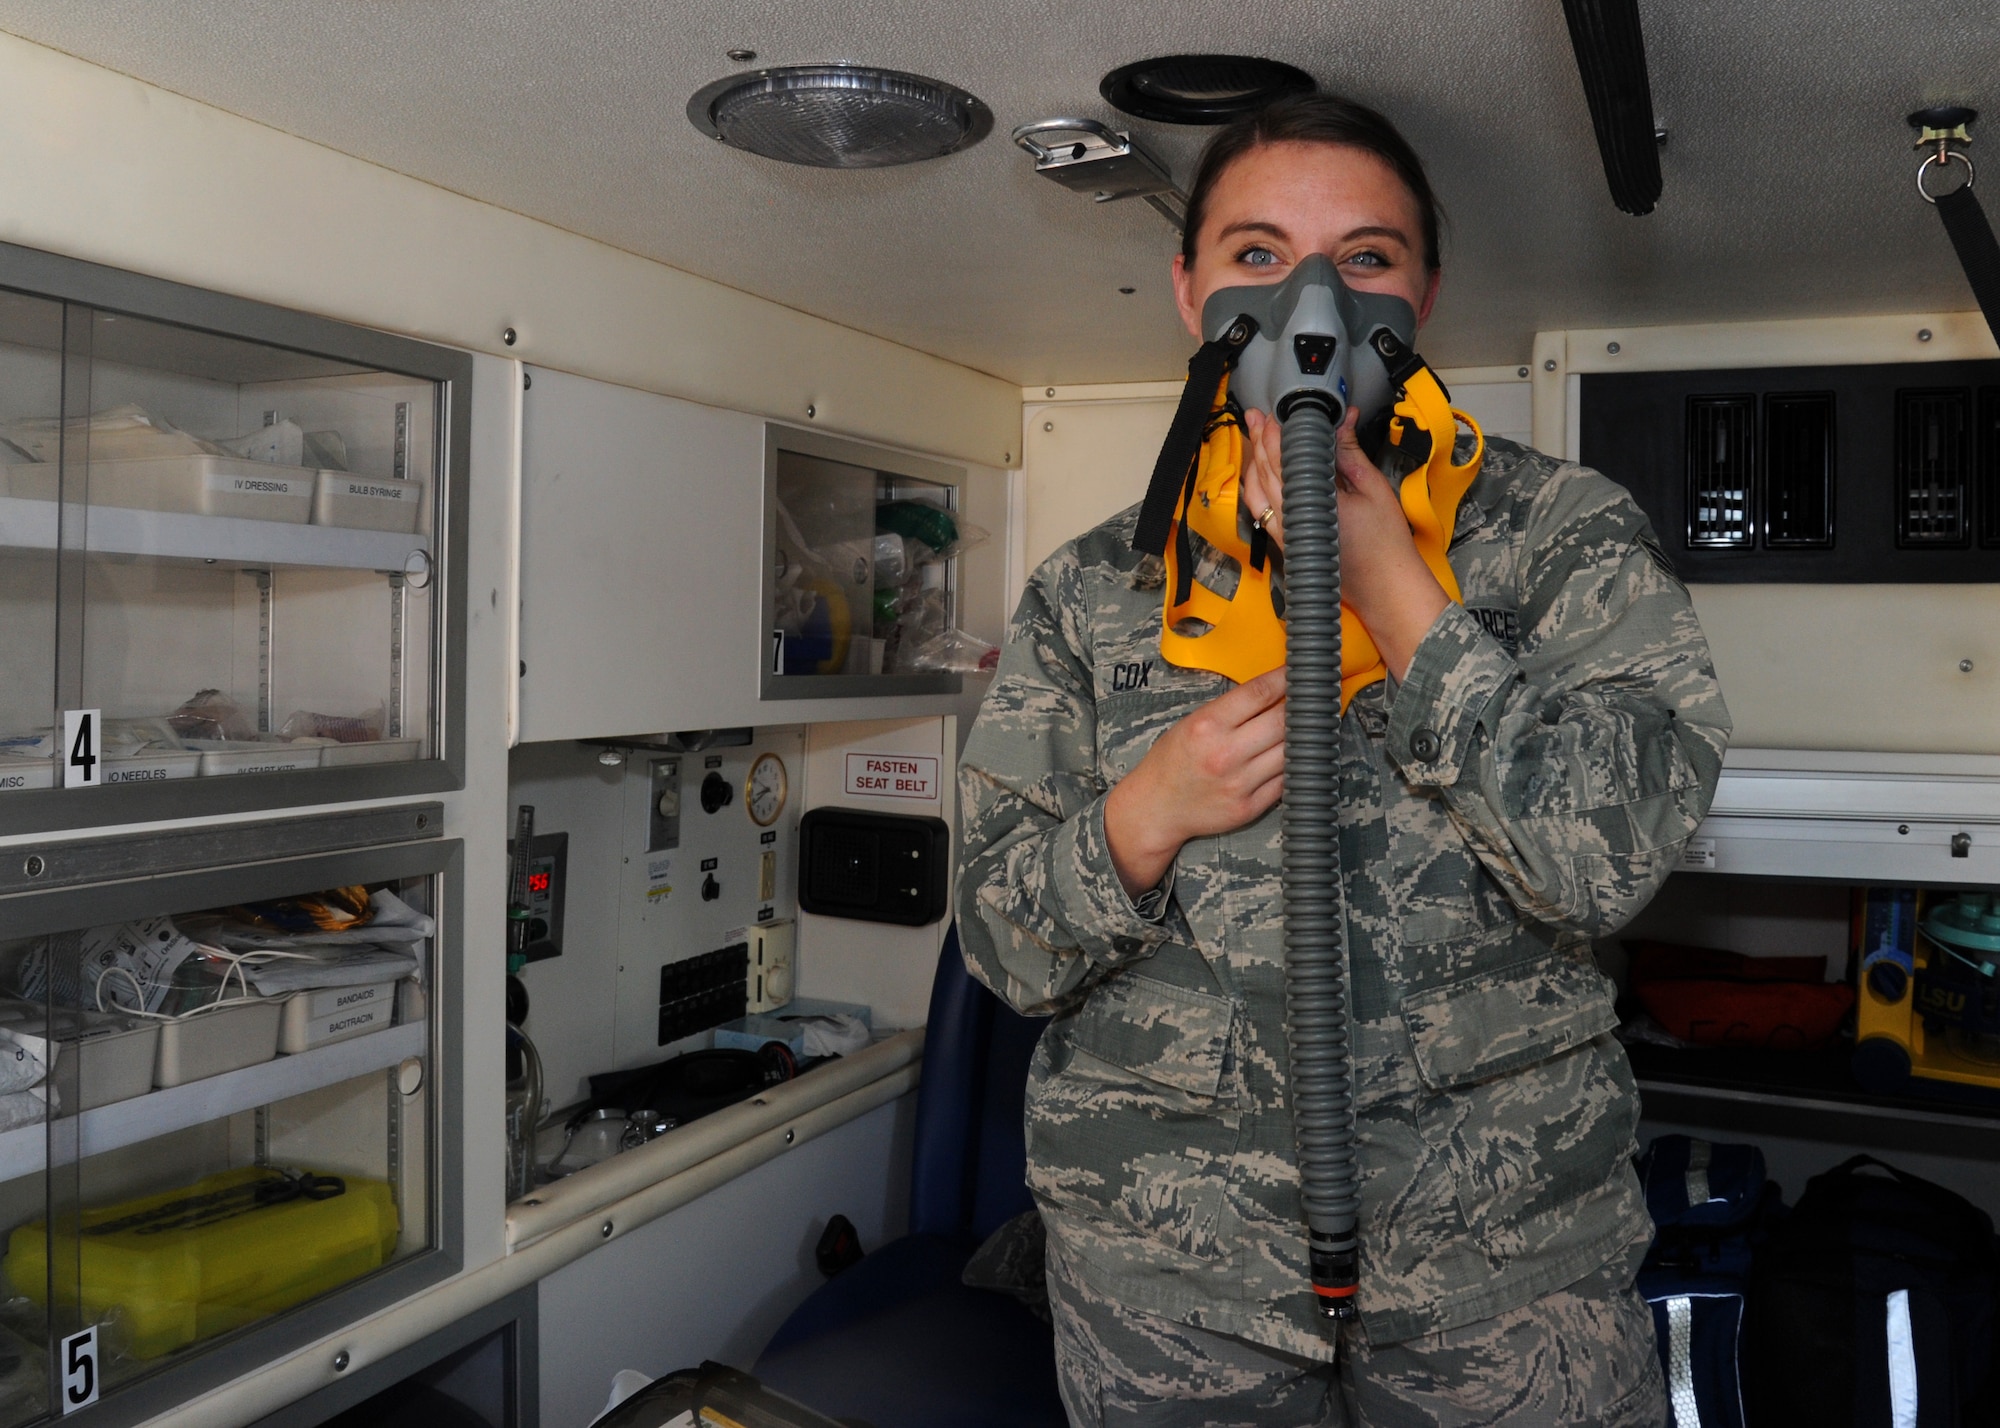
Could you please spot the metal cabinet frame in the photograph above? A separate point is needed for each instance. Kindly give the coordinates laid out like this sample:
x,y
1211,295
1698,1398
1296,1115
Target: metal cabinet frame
x,y
70,280
94,881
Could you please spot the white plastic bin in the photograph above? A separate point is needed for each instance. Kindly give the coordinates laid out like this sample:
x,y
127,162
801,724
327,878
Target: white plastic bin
x,y
16,772
367,503
114,1054
193,485
330,1014
242,756
371,751
202,1044
152,765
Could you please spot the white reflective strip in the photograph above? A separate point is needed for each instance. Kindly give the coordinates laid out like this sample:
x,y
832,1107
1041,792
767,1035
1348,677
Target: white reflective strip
x,y
1902,1363
1680,1361
1699,1153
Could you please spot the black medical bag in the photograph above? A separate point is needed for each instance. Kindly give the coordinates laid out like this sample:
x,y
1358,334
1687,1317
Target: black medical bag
x,y
1875,1303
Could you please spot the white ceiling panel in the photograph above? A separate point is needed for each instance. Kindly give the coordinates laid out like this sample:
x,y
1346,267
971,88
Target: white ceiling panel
x,y
1788,171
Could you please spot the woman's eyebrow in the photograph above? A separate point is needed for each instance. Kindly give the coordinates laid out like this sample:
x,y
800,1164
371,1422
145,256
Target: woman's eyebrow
x,y
1378,231
1253,225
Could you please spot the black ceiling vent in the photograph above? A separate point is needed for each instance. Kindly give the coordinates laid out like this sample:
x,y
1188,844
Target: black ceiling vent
x,y
1201,89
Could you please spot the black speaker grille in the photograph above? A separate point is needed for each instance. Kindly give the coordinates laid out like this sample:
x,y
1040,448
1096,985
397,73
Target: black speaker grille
x,y
847,866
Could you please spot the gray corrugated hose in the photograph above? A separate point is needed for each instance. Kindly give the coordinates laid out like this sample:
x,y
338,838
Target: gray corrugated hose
x,y
1315,912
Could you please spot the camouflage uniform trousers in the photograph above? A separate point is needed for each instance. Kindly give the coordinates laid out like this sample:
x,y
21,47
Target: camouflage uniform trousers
x,y
1584,1355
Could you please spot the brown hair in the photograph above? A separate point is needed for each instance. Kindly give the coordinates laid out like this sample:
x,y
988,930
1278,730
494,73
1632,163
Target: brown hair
x,y
1313,119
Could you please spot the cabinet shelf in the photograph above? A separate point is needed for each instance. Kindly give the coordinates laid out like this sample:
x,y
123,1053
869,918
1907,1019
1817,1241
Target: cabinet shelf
x,y
229,541
24,1150
1806,1095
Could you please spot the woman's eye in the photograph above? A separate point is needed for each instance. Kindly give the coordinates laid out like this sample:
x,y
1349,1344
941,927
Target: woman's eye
x,y
1364,260
1257,258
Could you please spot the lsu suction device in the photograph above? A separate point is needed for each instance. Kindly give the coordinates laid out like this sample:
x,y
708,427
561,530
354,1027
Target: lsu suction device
x,y
1305,350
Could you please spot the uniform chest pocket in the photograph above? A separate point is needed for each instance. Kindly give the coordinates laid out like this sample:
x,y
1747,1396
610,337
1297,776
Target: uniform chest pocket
x,y
1172,1035
1490,1025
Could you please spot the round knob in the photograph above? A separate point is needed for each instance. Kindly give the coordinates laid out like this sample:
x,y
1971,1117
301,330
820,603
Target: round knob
x,y
716,792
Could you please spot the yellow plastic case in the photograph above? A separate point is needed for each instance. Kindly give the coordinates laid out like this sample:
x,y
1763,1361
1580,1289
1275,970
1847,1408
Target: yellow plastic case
x,y
190,1263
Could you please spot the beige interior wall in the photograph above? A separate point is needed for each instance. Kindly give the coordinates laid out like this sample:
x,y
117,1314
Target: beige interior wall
x,y
100,166
1866,667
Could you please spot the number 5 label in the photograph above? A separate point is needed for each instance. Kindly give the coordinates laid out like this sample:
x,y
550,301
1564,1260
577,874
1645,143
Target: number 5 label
x,y
79,1370
81,736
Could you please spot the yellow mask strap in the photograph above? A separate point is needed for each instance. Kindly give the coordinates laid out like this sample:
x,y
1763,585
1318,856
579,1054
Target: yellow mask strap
x,y
1245,636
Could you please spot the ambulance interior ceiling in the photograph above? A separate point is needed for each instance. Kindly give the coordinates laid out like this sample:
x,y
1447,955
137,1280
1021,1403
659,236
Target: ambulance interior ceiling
x,y
1787,168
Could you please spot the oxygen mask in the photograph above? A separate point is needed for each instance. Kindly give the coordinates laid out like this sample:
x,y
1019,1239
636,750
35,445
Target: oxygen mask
x,y
1307,351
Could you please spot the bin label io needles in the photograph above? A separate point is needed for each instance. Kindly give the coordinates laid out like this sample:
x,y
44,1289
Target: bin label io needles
x,y
893,776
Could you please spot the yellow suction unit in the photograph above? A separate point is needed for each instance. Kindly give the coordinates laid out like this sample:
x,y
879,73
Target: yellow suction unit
x,y
1927,1021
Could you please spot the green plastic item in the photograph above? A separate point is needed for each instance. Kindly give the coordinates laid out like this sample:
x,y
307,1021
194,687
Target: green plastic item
x,y
1969,923
918,520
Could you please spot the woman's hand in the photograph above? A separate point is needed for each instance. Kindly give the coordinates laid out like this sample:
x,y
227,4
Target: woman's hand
x,y
1215,770
1381,575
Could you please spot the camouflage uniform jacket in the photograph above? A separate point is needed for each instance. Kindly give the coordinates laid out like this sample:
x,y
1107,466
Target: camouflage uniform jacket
x,y
1530,783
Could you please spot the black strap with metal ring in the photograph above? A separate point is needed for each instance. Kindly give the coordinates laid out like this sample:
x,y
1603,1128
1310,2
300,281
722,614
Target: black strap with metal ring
x,y
1964,220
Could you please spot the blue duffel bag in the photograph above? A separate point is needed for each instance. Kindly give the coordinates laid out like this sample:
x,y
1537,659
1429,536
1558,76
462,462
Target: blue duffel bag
x,y
1710,1203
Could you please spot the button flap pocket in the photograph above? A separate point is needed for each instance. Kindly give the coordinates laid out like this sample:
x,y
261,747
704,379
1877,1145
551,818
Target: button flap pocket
x,y
1490,1025
1164,1033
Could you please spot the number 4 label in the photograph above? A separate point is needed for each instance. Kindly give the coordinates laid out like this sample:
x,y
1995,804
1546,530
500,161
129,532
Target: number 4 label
x,y
81,738
79,1370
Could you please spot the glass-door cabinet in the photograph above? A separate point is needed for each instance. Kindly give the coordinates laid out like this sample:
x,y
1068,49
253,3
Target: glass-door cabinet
x,y
229,552
224,1061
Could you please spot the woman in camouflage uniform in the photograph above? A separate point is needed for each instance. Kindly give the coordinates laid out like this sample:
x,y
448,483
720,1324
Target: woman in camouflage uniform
x,y
1523,780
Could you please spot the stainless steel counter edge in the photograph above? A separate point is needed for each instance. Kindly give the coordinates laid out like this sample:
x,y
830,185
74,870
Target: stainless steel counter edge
x,y
550,1208
873,1078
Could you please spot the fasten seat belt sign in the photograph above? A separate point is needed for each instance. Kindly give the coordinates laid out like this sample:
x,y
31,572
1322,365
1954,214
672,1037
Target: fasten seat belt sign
x,y
893,776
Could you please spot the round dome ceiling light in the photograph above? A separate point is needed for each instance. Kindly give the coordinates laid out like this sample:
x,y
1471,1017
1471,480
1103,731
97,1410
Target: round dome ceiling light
x,y
839,116
1201,89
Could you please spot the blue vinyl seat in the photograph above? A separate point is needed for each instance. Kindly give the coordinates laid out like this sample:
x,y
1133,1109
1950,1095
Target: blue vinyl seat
x,y
896,1340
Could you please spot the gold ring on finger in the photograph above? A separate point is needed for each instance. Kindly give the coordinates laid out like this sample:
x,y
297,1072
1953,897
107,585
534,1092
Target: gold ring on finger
x,y
1265,519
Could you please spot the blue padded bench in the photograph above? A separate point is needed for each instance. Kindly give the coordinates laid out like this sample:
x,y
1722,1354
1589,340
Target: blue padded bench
x,y
895,1340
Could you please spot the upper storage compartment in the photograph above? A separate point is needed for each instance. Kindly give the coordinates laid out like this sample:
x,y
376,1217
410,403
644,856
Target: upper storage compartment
x,y
684,567
226,552
861,569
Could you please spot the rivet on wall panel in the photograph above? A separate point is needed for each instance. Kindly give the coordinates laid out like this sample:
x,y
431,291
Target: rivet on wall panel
x,y
1612,348
509,336
1923,334
812,410
1048,426
1522,372
1052,391
1549,365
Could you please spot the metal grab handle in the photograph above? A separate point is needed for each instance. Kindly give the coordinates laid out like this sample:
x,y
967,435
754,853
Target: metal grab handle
x,y
1103,133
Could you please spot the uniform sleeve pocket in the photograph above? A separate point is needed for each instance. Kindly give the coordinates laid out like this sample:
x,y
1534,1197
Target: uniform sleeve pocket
x,y
1501,1021
1168,1034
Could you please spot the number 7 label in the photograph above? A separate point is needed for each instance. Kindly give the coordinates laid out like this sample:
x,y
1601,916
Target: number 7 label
x,y
81,738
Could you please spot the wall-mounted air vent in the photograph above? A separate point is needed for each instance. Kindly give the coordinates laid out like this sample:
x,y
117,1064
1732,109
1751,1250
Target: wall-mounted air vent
x,y
1988,467
1933,465
1721,471
1798,470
